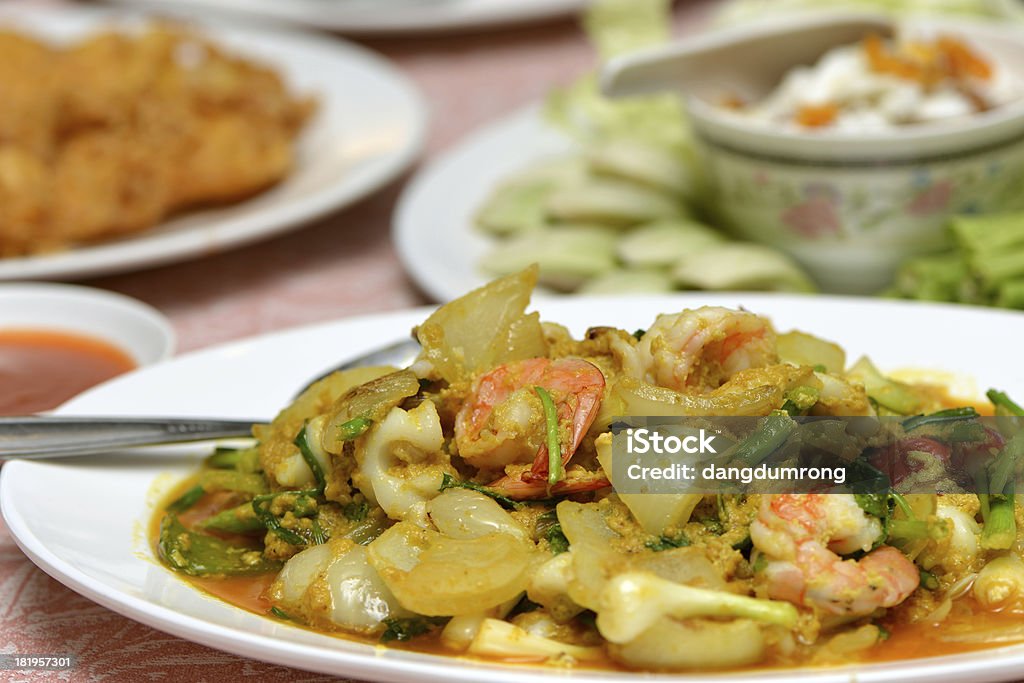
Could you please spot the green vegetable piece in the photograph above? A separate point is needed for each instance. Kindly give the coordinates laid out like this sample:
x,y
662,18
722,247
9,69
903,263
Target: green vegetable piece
x,y
896,396
356,512
568,256
404,630
261,508
353,428
769,436
642,163
555,471
741,266
612,203
549,528
450,482
1004,405
799,400
1000,528
197,554
663,244
668,542
928,580
620,26
518,205
224,458
875,504
933,278
302,442
949,415
187,499
281,614
628,281
237,520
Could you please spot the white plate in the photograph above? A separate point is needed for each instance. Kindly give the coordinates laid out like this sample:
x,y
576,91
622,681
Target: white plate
x,y
95,543
433,226
370,125
384,16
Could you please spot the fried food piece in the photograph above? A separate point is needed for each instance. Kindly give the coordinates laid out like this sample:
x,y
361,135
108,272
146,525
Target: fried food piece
x,y
28,92
110,136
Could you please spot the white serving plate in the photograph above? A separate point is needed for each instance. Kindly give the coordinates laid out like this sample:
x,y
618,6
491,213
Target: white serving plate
x,y
433,227
369,127
383,16
96,545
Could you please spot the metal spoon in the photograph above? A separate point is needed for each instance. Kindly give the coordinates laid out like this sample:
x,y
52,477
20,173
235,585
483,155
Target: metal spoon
x,y
46,436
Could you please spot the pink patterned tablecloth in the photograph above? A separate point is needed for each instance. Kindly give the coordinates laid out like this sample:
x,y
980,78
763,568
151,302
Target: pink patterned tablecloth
x,y
342,266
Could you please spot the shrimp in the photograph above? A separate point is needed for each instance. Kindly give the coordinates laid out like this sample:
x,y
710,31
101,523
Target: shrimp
x,y
526,487
802,536
502,422
701,348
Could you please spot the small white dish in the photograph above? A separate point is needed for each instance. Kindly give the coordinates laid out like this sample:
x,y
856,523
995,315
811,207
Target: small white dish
x,y
383,16
102,550
136,328
369,126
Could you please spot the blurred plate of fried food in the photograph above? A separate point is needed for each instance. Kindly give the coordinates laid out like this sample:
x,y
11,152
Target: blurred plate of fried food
x,y
128,142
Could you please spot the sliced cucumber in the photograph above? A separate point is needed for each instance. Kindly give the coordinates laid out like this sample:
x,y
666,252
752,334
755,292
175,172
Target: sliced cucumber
x,y
519,204
567,256
637,281
740,266
612,202
664,243
644,164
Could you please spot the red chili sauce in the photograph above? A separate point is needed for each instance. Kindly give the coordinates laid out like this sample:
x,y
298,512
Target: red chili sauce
x,y
40,369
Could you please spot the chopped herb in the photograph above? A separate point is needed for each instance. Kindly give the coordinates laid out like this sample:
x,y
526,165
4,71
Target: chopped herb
x,y
261,506
668,542
356,512
302,441
403,630
281,614
187,499
800,400
638,335
555,473
319,537
550,529
952,414
450,482
820,368
353,428
875,504
929,580
883,633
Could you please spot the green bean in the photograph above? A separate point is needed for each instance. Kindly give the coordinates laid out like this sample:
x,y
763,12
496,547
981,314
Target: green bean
x,y
555,472
187,499
772,433
302,441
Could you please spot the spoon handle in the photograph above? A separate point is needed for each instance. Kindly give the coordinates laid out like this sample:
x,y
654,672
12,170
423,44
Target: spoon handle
x,y
54,437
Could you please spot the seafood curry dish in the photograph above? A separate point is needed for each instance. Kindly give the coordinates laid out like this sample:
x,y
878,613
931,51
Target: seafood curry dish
x,y
463,506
